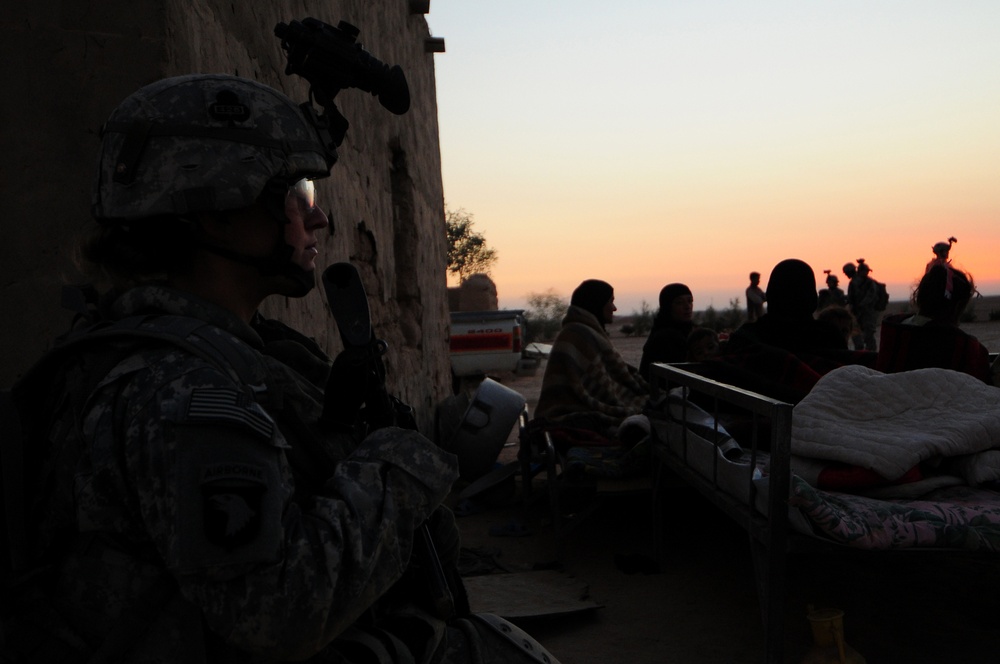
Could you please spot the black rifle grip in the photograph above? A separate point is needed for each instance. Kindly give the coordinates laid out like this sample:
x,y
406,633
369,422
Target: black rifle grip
x,y
345,293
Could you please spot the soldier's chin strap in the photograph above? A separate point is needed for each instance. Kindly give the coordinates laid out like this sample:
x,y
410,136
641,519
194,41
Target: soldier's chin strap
x,y
277,264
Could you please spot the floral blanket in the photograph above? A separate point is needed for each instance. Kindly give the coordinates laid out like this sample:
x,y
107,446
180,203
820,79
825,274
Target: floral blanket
x,y
960,517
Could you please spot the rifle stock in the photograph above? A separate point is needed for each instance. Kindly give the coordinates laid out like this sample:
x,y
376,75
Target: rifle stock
x,y
348,302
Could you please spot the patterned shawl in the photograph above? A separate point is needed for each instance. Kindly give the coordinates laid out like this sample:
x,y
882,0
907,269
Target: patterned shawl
x,y
586,375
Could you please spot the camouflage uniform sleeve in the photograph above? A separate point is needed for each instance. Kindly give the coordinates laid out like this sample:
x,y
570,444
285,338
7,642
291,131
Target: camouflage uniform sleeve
x,y
271,574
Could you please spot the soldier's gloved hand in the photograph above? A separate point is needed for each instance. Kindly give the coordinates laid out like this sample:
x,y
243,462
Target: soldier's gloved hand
x,y
346,388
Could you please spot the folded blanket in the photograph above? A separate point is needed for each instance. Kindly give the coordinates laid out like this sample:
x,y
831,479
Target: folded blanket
x,y
889,423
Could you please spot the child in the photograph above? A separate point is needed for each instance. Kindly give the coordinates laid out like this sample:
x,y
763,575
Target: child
x,y
702,344
841,318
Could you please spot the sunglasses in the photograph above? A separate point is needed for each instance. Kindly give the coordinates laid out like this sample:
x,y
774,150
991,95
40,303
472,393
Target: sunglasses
x,y
301,198
288,202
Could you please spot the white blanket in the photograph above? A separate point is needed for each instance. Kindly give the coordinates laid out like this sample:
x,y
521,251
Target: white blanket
x,y
889,423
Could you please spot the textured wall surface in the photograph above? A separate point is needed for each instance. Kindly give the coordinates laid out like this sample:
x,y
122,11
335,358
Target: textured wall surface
x,y
67,64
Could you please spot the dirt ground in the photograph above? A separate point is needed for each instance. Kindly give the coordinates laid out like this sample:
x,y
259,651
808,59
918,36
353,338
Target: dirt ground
x,y
694,600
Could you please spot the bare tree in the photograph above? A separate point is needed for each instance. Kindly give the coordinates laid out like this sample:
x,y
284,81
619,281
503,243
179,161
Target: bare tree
x,y
544,315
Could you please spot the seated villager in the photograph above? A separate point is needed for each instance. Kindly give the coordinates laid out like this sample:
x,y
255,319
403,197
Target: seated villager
x,y
931,337
702,345
789,323
590,395
841,318
667,341
783,354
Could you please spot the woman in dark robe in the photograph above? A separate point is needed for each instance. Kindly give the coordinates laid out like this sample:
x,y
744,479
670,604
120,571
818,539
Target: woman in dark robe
x,y
789,323
668,339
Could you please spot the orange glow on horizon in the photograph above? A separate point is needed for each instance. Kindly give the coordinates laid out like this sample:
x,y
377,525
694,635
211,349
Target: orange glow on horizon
x,y
684,145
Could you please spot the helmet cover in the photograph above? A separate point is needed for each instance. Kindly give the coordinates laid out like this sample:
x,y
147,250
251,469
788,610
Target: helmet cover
x,y
202,142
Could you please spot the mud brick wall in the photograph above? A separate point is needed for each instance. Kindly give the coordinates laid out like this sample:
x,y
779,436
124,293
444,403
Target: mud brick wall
x,y
66,64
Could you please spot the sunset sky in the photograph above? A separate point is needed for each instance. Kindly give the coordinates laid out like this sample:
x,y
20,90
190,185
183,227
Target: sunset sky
x,y
645,142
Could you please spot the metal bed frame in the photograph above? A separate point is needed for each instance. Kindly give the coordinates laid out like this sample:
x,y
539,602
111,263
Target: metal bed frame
x,y
769,535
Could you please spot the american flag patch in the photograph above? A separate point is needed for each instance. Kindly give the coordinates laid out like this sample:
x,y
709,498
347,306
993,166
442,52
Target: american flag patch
x,y
226,405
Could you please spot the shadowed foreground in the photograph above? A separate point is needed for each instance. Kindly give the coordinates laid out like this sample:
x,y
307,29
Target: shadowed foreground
x,y
697,602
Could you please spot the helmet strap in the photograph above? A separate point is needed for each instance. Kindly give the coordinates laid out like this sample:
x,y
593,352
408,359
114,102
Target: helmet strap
x,y
277,264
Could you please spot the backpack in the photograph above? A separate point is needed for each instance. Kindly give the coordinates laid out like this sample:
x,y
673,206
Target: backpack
x,y
881,296
40,410
33,410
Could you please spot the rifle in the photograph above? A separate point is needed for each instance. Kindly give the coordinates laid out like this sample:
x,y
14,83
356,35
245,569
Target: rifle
x,y
348,302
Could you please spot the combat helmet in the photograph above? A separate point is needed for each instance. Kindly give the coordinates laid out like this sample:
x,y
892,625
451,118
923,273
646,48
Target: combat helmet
x,y
942,249
203,142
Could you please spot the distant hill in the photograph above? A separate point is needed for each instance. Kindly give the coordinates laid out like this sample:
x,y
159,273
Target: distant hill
x,y
980,307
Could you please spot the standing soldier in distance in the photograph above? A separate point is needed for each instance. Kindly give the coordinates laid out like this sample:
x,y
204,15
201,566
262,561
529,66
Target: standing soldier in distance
x,y
863,298
832,294
755,298
851,272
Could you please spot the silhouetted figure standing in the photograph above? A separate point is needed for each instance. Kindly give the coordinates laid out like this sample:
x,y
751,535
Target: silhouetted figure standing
x,y
755,298
862,298
851,272
832,294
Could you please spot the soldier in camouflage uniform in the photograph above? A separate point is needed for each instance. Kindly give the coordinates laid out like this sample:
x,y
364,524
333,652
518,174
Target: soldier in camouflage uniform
x,y
832,295
206,498
851,272
862,299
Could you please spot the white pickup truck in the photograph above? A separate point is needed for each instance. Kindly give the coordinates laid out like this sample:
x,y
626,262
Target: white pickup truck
x,y
486,343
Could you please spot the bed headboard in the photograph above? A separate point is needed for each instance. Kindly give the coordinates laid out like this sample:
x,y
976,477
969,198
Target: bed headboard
x,y
769,535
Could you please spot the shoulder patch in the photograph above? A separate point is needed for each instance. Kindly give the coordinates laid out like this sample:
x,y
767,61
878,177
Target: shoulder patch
x,y
229,406
231,503
230,496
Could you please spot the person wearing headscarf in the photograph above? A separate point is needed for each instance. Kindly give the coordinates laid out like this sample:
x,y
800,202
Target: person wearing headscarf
x,y
789,323
668,340
587,384
786,351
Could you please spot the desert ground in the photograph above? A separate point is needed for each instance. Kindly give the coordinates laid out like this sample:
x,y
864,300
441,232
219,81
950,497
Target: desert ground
x,y
694,600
